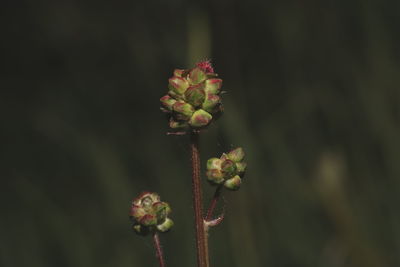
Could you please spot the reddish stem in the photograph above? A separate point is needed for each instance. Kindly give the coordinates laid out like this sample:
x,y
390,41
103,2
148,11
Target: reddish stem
x,y
213,203
202,251
158,248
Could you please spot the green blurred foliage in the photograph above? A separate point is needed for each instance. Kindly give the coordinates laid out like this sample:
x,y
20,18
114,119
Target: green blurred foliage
x,y
312,96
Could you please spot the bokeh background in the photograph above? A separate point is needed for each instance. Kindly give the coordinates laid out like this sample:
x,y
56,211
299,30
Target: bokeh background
x,y
312,96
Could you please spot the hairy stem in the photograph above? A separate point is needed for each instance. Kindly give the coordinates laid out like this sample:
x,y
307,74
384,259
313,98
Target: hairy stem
x,y
159,252
213,203
202,251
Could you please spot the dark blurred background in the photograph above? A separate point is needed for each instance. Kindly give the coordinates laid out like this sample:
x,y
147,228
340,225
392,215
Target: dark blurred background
x,y
312,96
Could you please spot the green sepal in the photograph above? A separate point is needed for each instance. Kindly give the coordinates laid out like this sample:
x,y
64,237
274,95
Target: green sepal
x,y
228,168
215,176
213,86
197,76
211,102
241,168
161,209
184,110
200,118
195,95
233,183
236,155
214,163
165,226
167,101
178,84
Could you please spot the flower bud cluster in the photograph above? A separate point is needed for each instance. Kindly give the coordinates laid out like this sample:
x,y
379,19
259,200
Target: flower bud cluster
x,y
228,170
193,99
149,214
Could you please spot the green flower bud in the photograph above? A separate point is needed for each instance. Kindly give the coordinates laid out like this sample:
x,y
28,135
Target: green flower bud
x,y
213,86
214,163
178,84
197,76
184,110
192,100
215,176
148,212
162,210
233,183
228,168
241,168
165,226
137,212
236,155
211,102
167,101
200,118
195,95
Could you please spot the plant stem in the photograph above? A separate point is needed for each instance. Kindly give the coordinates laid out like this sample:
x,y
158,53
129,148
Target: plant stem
x,y
213,203
202,251
158,248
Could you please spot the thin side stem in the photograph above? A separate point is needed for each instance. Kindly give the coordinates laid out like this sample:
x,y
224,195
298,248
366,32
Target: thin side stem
x,y
213,203
202,251
159,252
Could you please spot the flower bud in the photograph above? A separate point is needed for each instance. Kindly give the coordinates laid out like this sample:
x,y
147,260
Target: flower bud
x,y
228,168
233,183
167,101
236,155
215,176
211,102
183,109
165,226
195,95
214,163
213,86
241,168
200,118
178,84
161,210
148,213
197,75
137,212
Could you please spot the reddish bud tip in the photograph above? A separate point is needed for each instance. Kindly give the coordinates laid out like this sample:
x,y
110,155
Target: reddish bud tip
x,y
205,66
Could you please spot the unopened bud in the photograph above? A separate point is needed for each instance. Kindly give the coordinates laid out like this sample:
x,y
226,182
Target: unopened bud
x,y
167,101
215,176
178,84
211,102
228,168
213,86
214,163
197,75
241,168
233,183
184,110
165,226
236,155
195,95
200,118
